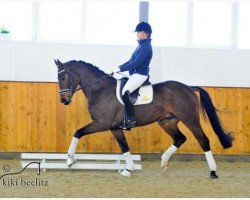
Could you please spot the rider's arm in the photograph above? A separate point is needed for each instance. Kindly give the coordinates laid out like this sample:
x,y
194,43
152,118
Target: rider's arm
x,y
143,54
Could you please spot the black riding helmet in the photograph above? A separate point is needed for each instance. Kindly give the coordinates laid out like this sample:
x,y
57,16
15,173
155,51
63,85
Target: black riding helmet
x,y
144,26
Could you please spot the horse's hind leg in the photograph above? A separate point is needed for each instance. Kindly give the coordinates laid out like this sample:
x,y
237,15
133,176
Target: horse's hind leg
x,y
193,123
169,125
122,141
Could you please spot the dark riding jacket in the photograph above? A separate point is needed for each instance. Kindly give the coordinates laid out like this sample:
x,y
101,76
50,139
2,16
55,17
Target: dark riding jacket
x,y
140,59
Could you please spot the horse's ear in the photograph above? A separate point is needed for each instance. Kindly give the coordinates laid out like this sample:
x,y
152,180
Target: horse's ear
x,y
58,63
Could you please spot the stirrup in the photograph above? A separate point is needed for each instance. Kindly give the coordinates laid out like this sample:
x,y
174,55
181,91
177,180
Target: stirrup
x,y
128,124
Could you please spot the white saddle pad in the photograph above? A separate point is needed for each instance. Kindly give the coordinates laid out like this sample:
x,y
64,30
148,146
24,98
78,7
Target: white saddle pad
x,y
145,94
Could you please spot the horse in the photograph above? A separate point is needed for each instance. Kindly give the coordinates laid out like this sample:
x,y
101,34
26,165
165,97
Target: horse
x,y
172,102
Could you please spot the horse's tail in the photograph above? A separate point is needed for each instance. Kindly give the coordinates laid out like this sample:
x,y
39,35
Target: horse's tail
x,y
226,139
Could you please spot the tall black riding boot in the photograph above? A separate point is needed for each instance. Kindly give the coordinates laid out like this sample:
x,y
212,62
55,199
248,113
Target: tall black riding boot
x,y
128,121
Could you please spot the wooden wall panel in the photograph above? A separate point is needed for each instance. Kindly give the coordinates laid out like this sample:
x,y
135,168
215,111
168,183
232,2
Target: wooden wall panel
x,y
33,120
22,134
41,118
32,115
245,136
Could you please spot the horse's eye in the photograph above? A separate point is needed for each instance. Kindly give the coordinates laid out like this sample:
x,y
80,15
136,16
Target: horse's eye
x,y
62,78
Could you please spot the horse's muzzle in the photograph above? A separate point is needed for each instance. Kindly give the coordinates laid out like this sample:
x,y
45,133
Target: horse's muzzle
x,y
65,101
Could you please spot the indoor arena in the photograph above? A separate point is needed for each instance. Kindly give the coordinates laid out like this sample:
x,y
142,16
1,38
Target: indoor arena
x,y
124,99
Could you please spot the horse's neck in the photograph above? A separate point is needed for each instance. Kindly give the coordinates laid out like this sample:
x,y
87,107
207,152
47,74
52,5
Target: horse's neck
x,y
93,82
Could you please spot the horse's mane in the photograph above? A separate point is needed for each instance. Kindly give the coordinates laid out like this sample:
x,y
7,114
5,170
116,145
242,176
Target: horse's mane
x,y
93,68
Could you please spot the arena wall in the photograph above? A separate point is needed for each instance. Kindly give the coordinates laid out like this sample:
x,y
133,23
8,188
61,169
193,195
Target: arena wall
x,y
28,61
33,120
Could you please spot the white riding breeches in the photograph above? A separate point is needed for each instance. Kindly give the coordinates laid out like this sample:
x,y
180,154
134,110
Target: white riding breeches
x,y
134,82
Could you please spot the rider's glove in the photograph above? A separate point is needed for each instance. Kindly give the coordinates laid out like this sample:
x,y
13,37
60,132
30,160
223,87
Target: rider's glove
x,y
116,70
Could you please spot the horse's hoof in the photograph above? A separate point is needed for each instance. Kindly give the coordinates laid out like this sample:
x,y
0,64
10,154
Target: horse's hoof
x,y
70,161
125,172
164,166
213,175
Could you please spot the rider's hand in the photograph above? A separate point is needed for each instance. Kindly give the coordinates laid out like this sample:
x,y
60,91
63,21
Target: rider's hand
x,y
116,70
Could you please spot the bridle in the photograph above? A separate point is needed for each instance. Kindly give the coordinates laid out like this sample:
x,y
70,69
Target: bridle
x,y
71,76
67,72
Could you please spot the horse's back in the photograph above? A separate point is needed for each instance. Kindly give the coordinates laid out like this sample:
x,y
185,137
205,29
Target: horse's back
x,y
173,85
174,92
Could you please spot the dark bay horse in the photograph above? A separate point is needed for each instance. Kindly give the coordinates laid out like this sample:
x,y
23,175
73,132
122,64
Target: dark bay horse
x,y
173,102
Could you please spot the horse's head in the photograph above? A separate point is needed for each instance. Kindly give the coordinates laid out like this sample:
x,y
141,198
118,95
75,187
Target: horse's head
x,y
67,82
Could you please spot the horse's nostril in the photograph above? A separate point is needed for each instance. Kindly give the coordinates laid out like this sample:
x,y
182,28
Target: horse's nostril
x,y
63,100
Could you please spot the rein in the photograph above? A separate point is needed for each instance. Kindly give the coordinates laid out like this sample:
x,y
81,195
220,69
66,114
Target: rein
x,y
75,90
111,74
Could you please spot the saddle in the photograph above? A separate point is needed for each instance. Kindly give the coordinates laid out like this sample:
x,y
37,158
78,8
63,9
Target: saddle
x,y
142,95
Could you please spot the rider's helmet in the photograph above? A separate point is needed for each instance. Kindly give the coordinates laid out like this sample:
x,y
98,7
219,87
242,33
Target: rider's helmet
x,y
144,26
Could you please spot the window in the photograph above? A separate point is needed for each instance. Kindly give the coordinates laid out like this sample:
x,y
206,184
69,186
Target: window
x,y
16,16
180,23
244,25
212,22
169,22
111,22
60,20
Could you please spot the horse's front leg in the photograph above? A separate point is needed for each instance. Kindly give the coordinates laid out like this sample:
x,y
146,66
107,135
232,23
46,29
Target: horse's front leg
x,y
122,141
88,129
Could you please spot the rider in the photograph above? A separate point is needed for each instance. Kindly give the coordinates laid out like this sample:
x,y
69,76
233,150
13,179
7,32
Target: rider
x,y
138,67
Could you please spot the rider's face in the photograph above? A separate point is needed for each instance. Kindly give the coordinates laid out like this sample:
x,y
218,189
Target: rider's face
x,y
141,35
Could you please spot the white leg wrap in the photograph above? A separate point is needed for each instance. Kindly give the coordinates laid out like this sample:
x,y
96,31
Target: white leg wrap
x,y
165,157
129,161
167,154
210,160
73,145
125,173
